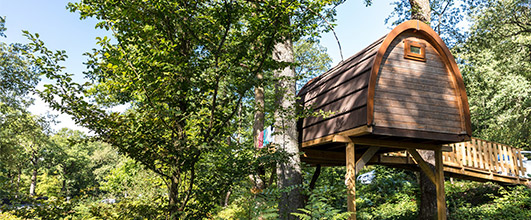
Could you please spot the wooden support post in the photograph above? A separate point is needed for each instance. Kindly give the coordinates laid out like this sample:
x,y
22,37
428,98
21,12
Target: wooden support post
x,y
350,179
365,158
315,176
439,177
423,165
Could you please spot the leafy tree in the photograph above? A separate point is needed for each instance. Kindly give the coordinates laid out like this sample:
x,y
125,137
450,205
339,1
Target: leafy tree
x,y
71,160
445,17
18,75
185,69
496,69
35,142
311,60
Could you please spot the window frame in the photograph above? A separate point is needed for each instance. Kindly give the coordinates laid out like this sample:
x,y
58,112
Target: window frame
x,y
414,56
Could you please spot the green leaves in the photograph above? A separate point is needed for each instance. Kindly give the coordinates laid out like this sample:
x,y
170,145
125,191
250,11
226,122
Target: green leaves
x,y
186,69
496,67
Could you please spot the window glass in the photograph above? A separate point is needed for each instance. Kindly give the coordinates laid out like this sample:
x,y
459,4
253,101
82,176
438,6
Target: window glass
x,y
414,49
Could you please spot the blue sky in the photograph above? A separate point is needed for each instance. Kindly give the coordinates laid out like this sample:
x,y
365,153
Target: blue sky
x,y
357,27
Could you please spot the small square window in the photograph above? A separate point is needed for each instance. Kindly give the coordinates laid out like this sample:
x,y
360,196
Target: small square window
x,y
414,50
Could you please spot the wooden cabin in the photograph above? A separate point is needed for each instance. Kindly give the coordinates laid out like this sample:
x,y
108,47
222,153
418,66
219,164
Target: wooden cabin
x,y
404,87
402,92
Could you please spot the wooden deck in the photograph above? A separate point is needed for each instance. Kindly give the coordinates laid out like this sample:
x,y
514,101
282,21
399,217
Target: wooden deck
x,y
477,160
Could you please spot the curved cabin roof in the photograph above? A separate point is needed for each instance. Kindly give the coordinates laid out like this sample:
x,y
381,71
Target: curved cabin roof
x,y
405,85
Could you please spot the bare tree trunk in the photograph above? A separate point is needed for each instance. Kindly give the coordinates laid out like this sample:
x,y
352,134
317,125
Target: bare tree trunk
x,y
288,171
33,184
259,99
420,10
33,181
258,126
19,173
227,197
428,192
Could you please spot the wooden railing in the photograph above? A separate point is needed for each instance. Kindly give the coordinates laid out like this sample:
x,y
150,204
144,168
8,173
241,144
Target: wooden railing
x,y
474,159
485,155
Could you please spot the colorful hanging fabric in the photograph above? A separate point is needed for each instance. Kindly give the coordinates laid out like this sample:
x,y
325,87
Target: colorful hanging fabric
x,y
267,136
260,140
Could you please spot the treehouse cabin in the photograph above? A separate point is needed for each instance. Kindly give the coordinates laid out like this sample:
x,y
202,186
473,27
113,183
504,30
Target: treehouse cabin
x,y
405,87
402,92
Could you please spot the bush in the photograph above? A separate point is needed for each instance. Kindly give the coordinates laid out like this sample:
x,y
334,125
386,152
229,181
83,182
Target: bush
x,y
502,203
319,207
391,195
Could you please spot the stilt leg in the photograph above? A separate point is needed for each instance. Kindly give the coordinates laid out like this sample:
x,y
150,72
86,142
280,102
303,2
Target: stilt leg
x,y
350,180
439,178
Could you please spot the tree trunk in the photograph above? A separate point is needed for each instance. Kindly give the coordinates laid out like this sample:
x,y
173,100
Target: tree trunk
x,y
259,99
63,188
288,171
19,173
173,197
428,192
33,174
33,181
258,126
420,10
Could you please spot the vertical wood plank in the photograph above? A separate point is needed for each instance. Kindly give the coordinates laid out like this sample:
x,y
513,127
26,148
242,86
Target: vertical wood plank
x,y
497,157
454,153
462,153
479,148
487,155
439,176
350,180
521,163
514,162
504,159
492,156
511,160
459,155
468,150
474,154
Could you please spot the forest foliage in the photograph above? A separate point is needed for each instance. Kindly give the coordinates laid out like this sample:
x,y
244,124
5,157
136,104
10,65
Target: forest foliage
x,y
184,147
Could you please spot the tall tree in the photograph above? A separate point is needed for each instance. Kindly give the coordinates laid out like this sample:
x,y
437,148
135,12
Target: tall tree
x,y
496,67
18,78
184,67
420,10
288,171
445,17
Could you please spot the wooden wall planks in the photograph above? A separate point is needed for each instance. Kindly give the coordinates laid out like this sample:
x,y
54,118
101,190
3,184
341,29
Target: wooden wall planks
x,y
416,95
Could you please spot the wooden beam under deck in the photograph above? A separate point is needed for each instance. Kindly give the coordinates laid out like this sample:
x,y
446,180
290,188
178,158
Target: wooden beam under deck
x,y
328,158
453,170
339,137
399,144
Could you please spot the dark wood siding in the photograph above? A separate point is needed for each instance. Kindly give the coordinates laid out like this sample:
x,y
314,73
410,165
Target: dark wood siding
x,y
342,93
416,95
